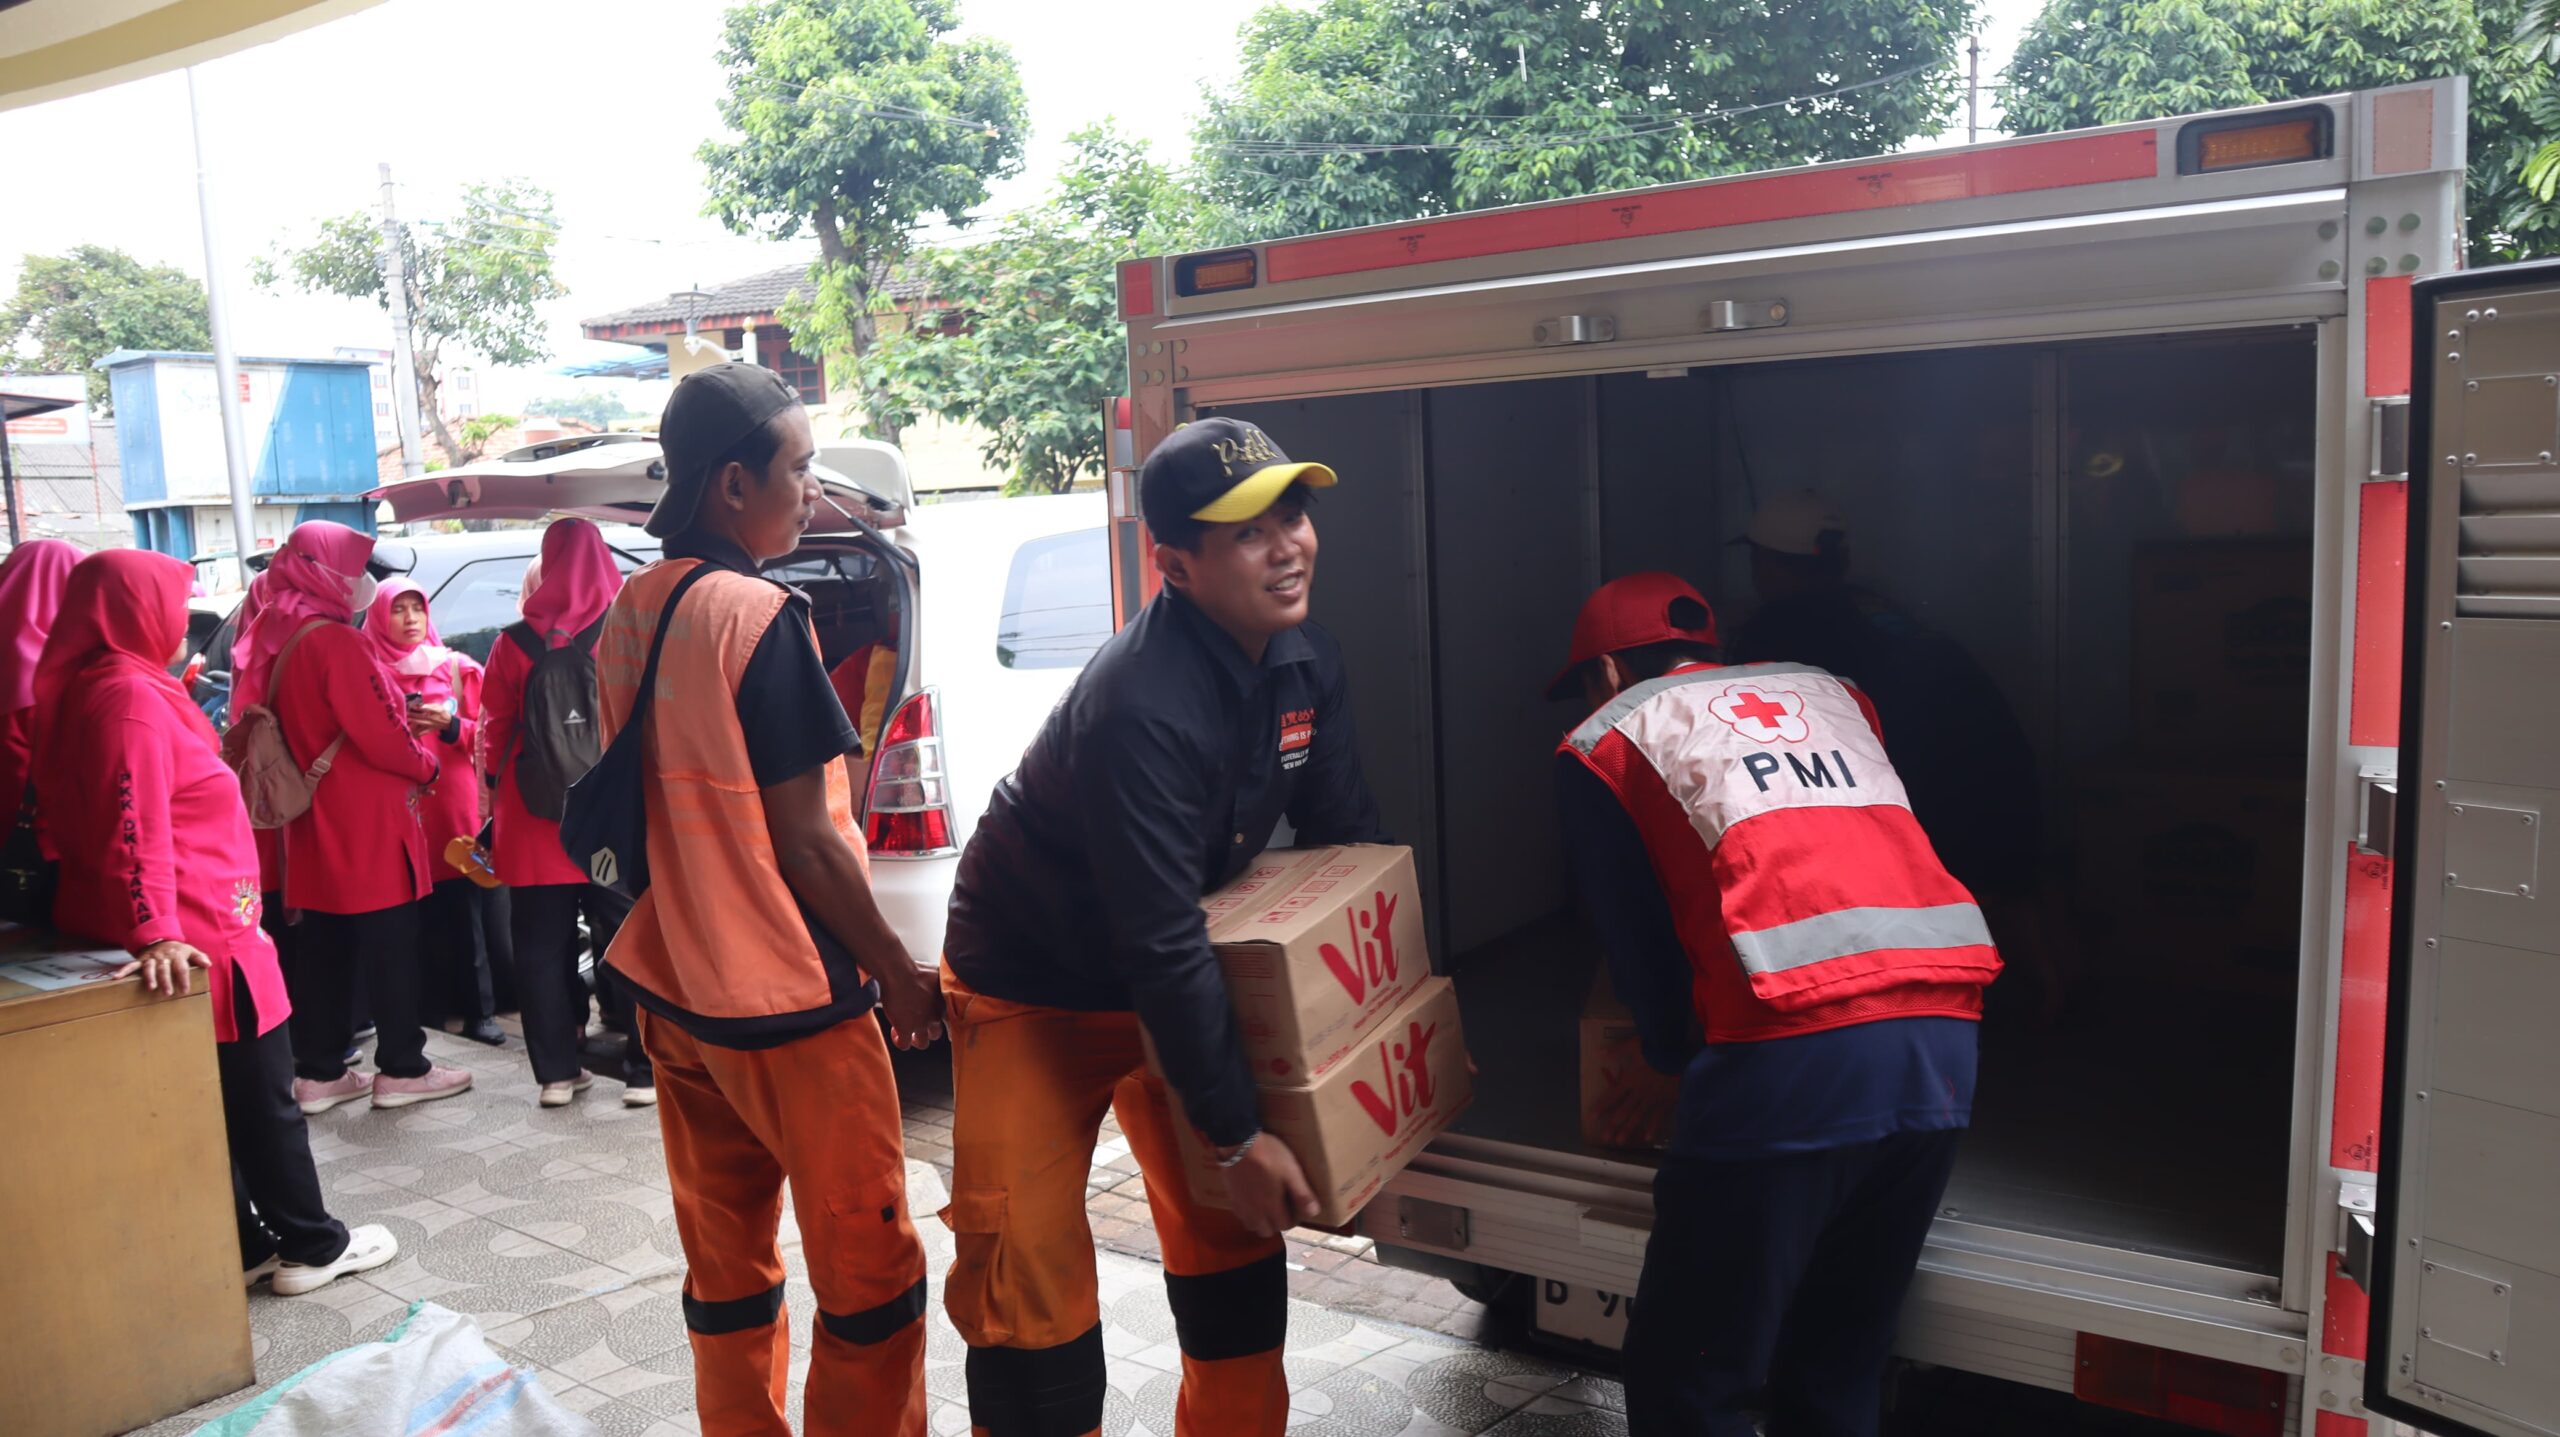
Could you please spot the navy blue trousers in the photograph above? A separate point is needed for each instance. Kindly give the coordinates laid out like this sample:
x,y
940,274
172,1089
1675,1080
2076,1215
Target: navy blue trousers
x,y
1773,1285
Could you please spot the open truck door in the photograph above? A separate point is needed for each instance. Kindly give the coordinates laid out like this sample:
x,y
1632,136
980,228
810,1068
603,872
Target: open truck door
x,y
2465,1328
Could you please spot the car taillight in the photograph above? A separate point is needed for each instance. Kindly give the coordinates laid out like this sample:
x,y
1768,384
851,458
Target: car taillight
x,y
909,812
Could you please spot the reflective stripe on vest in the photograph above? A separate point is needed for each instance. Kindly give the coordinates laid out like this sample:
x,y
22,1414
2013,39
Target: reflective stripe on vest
x,y
1848,932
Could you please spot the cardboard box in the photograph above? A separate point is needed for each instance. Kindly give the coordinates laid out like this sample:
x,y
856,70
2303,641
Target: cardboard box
x,y
1317,944
1624,1102
2222,645
1403,1083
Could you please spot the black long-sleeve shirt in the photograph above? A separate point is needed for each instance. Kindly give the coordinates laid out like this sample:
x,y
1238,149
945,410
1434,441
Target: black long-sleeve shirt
x,y
1158,778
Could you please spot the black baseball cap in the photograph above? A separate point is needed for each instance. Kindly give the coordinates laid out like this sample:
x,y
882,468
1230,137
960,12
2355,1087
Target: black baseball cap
x,y
712,411
1218,471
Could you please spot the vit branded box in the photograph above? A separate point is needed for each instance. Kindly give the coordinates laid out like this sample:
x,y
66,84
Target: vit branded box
x,y
1317,945
1358,1125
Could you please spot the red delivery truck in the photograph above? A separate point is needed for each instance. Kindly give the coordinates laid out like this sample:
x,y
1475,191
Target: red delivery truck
x,y
2258,659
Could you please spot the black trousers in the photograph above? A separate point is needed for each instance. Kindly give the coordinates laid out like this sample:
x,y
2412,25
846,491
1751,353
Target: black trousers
x,y
553,998
1776,1283
498,940
456,953
275,1189
329,950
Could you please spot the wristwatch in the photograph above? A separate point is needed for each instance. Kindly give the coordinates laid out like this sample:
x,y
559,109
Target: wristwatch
x,y
1242,1148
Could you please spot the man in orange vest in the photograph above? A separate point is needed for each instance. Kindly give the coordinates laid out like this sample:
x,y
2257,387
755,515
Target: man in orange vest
x,y
757,955
1748,858
1076,919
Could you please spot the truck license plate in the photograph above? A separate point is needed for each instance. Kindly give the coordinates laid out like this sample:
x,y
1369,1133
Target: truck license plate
x,y
1584,1314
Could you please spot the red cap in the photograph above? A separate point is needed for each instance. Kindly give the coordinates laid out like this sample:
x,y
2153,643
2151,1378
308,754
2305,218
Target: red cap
x,y
1630,613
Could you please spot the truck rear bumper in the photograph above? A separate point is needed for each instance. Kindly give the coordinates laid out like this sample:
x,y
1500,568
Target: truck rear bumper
x,y
2006,1304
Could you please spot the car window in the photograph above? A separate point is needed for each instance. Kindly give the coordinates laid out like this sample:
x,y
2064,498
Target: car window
x,y
1057,602
478,601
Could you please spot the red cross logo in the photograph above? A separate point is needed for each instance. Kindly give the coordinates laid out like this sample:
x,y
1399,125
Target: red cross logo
x,y
1752,708
1762,715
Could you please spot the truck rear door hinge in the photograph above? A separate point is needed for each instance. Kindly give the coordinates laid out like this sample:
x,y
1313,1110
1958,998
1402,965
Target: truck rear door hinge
x,y
2390,439
2355,1232
2377,810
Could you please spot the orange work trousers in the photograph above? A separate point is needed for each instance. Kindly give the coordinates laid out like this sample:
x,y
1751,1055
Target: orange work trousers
x,y
820,1113
1029,1088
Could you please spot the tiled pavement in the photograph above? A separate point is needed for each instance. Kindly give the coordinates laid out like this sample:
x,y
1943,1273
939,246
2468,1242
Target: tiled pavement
x,y
555,1229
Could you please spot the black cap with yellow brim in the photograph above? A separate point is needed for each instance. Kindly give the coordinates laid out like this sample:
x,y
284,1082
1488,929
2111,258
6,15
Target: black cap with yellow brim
x,y
1218,471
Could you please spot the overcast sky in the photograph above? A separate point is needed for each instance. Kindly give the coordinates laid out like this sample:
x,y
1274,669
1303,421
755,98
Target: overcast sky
x,y
601,101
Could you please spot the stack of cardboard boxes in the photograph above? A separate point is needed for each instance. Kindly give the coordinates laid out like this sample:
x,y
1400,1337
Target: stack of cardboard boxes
x,y
1354,1044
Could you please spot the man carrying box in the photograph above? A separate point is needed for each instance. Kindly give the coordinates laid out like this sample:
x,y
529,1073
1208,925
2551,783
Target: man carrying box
x,y
1749,859
1076,918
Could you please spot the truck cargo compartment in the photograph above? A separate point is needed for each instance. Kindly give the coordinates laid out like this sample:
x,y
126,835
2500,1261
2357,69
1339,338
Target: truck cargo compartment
x,y
2083,582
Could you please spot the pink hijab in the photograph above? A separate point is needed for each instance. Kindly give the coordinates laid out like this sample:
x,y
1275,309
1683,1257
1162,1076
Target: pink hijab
x,y
123,609
571,583
318,574
32,580
428,660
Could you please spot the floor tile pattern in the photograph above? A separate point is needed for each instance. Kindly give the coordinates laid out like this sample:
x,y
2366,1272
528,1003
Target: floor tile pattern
x,y
555,1229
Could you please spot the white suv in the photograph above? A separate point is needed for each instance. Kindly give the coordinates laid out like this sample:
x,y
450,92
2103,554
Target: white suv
x,y
1020,598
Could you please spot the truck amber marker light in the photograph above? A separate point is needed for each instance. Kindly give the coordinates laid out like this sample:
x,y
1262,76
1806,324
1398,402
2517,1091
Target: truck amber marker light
x,y
2208,146
1214,273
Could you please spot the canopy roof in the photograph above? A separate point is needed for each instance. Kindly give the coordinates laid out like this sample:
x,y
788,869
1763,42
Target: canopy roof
x,y
53,48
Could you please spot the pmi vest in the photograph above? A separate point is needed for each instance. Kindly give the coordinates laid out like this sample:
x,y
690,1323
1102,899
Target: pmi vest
x,y
1801,886
717,943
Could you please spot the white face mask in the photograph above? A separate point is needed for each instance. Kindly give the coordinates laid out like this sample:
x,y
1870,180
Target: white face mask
x,y
360,593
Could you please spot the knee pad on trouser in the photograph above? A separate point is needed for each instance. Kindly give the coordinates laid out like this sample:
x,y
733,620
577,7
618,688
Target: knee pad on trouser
x,y
741,1355
1038,1391
1231,1326
875,1325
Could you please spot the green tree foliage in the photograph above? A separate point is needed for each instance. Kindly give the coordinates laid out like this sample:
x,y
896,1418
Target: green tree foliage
x,y
2103,62
475,281
1370,111
852,120
72,310
601,410
1029,346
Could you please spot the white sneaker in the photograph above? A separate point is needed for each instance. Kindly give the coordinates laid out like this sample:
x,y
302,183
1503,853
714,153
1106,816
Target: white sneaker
x,y
368,1247
557,1095
249,1276
640,1097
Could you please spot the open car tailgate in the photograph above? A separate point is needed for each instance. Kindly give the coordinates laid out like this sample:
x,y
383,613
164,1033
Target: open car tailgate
x,y
615,479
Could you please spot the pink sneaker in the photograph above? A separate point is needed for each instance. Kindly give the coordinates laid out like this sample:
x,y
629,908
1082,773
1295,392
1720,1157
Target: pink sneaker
x,y
438,1082
317,1098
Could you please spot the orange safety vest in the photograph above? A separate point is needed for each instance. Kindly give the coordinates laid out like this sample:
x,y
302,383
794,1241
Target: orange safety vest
x,y
717,943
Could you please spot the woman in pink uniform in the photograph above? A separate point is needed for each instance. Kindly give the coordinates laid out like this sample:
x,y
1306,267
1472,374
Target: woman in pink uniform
x,y
441,688
31,582
355,865
566,592
166,872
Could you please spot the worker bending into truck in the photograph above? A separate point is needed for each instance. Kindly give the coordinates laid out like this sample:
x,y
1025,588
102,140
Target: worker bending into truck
x,y
1076,923
1747,856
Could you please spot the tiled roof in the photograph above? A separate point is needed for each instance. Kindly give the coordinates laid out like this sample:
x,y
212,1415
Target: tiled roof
x,y
756,294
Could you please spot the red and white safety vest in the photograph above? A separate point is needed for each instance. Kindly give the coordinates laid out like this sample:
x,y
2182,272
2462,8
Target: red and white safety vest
x,y
1801,886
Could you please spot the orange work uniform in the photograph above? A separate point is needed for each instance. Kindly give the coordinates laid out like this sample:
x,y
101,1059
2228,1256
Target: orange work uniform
x,y
770,1066
1030,1086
